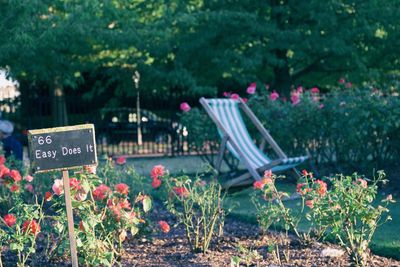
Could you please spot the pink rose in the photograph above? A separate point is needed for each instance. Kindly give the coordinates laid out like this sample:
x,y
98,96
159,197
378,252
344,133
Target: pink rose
x,y
58,187
251,89
28,178
268,174
299,89
314,90
348,85
234,96
342,80
274,96
245,99
185,107
90,169
29,188
310,203
227,94
266,86
295,98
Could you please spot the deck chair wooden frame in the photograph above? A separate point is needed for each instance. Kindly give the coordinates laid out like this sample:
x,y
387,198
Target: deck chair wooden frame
x,y
228,140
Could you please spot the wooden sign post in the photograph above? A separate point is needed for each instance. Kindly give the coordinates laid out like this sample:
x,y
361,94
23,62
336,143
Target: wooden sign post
x,y
63,148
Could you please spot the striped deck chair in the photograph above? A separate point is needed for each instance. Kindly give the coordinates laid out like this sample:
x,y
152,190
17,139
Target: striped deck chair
x,y
236,138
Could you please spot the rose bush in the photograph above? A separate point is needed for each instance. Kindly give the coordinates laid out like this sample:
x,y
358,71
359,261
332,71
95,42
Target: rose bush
x,y
197,205
104,215
343,212
346,128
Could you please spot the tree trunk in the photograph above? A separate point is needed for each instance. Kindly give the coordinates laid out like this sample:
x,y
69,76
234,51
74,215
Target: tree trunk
x,y
59,107
283,80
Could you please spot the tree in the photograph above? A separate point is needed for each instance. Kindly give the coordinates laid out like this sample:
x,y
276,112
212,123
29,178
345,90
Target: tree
x,y
55,42
217,43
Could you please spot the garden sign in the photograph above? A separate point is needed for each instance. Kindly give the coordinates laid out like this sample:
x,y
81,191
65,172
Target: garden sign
x,y
63,148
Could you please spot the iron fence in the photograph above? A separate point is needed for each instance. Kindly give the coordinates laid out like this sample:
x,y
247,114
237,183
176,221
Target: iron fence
x,y
116,129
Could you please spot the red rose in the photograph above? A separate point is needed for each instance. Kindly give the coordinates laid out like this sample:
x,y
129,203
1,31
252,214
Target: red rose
x,y
15,175
14,188
4,171
31,227
74,183
101,192
181,191
156,183
164,226
122,189
259,184
302,189
81,227
157,171
48,196
124,204
121,160
310,203
116,210
10,219
322,187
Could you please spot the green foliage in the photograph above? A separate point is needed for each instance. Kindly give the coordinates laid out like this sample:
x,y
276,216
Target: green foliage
x,y
246,256
193,48
348,128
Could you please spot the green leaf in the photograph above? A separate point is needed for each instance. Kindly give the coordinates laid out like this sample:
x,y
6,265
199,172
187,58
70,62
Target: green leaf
x,y
235,261
134,230
147,204
79,242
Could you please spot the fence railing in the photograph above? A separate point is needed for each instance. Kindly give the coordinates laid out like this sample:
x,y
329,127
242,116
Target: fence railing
x,y
116,129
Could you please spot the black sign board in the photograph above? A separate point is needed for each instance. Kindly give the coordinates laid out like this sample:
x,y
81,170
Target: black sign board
x,y
62,148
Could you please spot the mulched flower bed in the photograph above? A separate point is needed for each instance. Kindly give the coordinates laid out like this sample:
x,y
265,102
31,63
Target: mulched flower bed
x,y
172,249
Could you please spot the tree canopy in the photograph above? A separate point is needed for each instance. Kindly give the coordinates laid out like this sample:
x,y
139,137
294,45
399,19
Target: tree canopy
x,y
193,48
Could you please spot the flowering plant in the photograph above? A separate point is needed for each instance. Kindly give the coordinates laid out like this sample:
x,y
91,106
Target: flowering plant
x,y
103,215
197,205
346,212
270,206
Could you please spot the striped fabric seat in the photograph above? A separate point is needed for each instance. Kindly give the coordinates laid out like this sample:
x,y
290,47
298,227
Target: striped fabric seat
x,y
228,114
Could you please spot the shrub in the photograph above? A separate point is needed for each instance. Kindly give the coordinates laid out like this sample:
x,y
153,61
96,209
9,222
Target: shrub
x,y
103,215
197,205
346,212
345,128
270,207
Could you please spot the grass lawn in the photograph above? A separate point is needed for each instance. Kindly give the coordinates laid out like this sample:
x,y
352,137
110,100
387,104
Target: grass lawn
x,y
386,241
